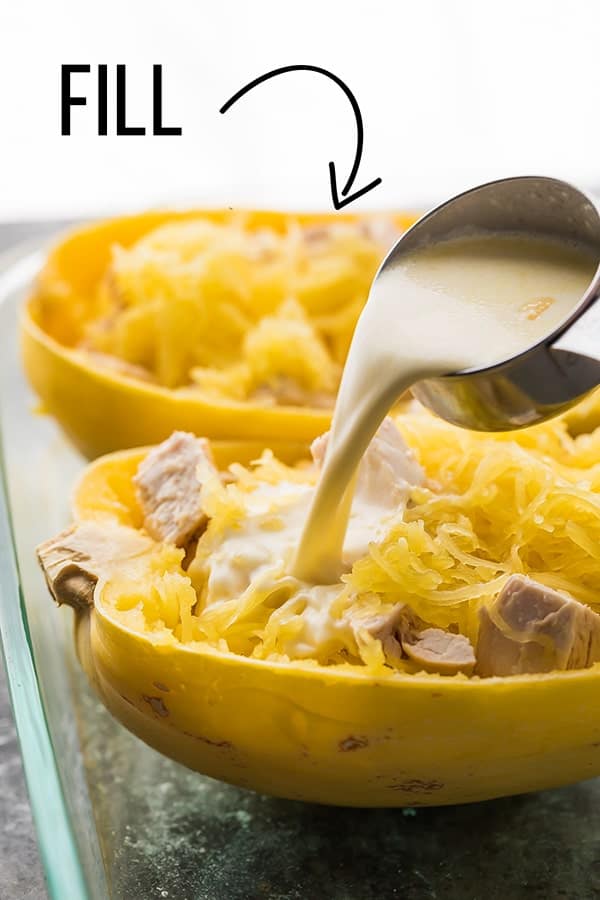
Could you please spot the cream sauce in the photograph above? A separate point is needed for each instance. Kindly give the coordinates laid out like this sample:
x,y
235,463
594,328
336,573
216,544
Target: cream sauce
x,y
256,554
464,303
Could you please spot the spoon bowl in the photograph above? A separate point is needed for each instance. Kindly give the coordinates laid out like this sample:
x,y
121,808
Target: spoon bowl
x,y
551,376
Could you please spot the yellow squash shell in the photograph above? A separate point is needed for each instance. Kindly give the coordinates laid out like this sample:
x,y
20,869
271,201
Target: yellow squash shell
x,y
102,410
330,734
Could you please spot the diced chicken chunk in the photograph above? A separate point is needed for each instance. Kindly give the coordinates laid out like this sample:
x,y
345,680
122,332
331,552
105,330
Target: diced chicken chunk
x,y
387,470
388,629
169,485
318,448
388,464
531,628
404,635
440,651
78,557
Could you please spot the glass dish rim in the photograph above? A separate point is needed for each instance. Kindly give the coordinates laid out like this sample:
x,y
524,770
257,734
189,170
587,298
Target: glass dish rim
x,y
53,824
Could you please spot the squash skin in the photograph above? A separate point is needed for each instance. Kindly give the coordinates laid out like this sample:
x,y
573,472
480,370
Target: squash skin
x,y
332,735
102,411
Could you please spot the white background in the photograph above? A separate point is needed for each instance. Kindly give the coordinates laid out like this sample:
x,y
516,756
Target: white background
x,y
452,92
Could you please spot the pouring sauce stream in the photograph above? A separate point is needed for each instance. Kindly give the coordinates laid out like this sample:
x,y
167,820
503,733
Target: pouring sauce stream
x,y
467,302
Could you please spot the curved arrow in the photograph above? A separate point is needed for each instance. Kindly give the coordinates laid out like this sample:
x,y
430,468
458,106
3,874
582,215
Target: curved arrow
x,y
338,204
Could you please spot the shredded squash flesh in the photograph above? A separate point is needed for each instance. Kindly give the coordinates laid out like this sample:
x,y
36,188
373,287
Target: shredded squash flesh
x,y
239,313
493,505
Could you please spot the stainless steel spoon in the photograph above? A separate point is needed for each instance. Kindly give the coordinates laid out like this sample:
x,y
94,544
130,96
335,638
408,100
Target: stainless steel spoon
x,y
554,374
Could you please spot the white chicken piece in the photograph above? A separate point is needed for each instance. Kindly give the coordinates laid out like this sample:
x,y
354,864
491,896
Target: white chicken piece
x,y
387,471
404,635
436,650
169,488
386,476
531,628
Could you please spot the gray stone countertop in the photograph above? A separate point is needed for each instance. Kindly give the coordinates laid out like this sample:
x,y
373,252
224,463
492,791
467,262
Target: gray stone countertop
x,y
21,875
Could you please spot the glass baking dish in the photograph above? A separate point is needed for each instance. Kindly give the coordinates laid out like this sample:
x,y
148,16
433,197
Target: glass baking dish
x,y
116,819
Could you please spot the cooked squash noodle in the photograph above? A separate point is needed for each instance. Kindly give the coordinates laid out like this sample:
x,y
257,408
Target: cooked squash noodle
x,y
493,505
240,313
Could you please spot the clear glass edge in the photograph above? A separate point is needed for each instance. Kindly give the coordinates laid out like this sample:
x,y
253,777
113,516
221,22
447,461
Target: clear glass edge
x,y
58,847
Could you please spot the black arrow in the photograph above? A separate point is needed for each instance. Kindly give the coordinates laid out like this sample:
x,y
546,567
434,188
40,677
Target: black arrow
x,y
348,198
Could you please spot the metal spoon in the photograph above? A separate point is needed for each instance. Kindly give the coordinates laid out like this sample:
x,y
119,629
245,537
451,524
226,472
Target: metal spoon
x,y
554,374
